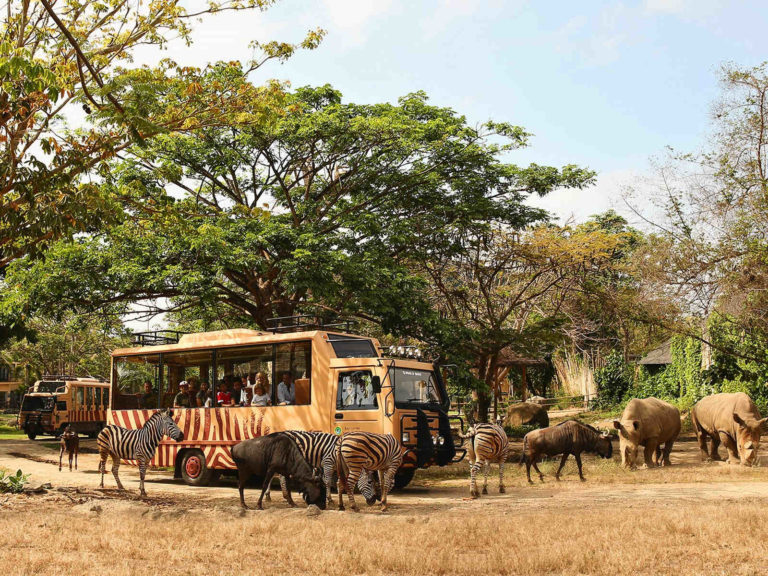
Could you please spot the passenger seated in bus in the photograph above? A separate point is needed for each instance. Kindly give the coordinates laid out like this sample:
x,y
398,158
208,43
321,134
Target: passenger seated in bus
x,y
194,388
181,400
286,391
149,398
262,379
203,397
260,396
248,396
224,397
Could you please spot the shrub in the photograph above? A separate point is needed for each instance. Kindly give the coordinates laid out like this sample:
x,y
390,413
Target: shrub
x,y
519,431
13,483
613,381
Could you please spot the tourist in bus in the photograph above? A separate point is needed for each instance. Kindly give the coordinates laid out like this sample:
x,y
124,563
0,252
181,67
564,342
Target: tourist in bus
x,y
203,397
237,392
286,390
181,400
194,388
248,396
224,397
262,379
260,395
149,398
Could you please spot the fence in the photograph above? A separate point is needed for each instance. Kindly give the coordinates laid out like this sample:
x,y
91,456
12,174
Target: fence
x,y
561,402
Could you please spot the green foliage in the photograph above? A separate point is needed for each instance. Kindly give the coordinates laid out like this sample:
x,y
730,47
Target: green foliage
x,y
13,483
613,380
520,431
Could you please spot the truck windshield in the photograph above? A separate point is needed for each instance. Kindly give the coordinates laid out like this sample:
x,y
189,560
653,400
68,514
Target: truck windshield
x,y
35,403
347,347
48,386
414,387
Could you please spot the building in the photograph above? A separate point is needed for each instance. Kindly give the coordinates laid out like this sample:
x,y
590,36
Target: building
x,y
9,385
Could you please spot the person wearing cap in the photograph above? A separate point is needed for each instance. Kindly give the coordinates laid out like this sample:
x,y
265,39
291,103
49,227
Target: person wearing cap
x,y
181,400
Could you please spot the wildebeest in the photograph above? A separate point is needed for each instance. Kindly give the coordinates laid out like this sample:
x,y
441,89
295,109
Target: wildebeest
x,y
139,445
71,443
487,443
732,418
277,453
569,437
649,422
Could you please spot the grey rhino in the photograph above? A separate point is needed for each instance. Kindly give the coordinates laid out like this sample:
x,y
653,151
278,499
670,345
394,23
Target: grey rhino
x,y
650,423
732,418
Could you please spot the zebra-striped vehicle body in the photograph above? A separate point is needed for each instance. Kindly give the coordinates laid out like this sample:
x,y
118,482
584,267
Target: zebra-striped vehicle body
x,y
359,452
320,451
487,443
138,445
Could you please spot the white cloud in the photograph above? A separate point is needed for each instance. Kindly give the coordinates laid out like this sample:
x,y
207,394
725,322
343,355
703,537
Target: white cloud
x,y
696,10
353,17
598,43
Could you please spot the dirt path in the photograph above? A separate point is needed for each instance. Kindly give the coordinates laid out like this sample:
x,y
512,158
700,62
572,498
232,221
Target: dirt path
x,y
687,481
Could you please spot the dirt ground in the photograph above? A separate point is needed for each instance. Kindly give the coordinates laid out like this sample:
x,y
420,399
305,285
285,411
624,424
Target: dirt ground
x,y
691,518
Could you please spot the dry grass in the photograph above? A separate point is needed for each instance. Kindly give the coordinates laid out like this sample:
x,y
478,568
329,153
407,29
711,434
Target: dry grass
x,y
574,376
133,538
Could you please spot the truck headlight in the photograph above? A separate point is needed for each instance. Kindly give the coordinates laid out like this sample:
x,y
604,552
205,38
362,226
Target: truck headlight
x,y
406,437
440,440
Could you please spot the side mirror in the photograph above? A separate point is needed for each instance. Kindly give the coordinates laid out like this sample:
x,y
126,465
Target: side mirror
x,y
376,384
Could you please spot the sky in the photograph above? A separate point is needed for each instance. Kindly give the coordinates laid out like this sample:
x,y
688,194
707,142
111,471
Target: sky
x,y
605,85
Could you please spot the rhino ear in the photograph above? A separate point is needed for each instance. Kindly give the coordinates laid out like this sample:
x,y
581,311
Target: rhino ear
x,y
738,420
617,425
763,425
636,424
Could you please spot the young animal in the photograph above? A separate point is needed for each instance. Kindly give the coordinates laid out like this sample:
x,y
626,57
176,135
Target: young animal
x,y
649,422
319,450
139,445
70,442
487,443
276,453
734,418
569,437
361,451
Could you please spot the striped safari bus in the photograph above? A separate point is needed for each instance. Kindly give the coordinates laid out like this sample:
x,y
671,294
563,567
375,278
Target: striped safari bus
x,y
303,376
56,401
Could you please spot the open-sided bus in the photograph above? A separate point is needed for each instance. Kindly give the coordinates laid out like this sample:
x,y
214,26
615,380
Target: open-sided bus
x,y
342,383
56,402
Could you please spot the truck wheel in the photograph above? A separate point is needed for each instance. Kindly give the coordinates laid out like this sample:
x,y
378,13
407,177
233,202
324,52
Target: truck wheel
x,y
194,470
31,435
403,478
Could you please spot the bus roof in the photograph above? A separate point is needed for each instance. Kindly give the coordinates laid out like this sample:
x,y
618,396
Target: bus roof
x,y
231,338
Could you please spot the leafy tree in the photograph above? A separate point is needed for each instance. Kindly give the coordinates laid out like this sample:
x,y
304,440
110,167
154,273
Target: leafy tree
x,y
61,58
323,206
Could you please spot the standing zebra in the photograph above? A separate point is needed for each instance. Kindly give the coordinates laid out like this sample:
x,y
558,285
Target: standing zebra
x,y
319,450
361,451
137,445
487,443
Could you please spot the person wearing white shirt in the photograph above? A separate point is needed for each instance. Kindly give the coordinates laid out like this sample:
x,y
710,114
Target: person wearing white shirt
x,y
286,390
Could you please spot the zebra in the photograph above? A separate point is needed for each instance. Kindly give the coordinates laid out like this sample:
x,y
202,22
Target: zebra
x,y
359,451
137,445
487,443
319,450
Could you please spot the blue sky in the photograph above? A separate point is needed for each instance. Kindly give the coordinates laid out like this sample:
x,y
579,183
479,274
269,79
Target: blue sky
x,y
602,84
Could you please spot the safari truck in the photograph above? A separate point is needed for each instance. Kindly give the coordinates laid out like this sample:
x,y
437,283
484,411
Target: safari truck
x,y
334,381
56,402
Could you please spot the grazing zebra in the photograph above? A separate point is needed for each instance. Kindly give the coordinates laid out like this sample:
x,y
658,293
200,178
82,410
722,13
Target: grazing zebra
x,y
360,451
137,445
319,450
487,443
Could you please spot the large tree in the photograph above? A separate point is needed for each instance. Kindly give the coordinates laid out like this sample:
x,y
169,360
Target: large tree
x,y
319,205
69,102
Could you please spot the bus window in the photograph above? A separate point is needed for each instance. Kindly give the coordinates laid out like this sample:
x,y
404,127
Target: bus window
x,y
105,397
293,373
135,382
97,398
79,398
89,397
235,364
355,391
192,367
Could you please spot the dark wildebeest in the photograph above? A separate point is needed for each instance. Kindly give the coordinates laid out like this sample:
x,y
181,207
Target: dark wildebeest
x,y
569,437
71,443
277,453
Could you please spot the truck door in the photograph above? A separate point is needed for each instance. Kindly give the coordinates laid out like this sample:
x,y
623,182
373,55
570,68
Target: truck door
x,y
356,406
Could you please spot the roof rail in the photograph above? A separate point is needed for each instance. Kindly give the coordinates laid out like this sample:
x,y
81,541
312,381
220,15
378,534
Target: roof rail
x,y
58,377
302,322
156,337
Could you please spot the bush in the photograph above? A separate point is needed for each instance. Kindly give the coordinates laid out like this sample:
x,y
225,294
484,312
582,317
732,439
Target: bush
x,y
613,381
519,431
13,483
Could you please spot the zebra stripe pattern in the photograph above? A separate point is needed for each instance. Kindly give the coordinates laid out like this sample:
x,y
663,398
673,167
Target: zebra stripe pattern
x,y
319,450
487,443
139,445
360,451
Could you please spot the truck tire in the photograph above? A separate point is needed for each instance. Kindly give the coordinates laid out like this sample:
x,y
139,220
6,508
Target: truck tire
x,y
403,477
31,434
194,470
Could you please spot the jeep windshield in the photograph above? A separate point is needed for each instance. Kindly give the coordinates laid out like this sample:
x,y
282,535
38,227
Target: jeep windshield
x,y
414,387
35,403
48,386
